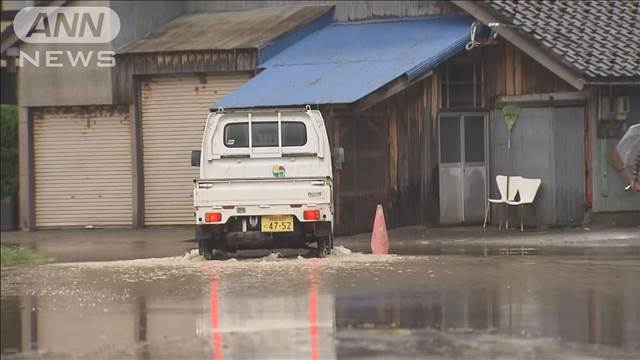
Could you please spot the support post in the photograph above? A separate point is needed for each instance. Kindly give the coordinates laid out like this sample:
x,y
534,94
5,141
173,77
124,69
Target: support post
x,y
25,169
137,163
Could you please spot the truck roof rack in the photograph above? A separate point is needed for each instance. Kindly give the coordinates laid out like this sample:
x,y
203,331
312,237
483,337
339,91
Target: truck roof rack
x,y
261,109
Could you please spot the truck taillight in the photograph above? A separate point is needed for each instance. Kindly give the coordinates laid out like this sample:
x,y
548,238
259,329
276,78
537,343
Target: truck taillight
x,y
311,214
213,217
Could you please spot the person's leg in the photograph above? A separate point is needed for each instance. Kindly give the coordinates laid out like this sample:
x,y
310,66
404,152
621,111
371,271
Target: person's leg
x,y
633,176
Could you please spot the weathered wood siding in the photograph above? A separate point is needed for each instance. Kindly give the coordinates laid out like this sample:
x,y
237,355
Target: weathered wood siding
x,y
206,61
390,153
509,71
362,182
344,10
413,170
391,150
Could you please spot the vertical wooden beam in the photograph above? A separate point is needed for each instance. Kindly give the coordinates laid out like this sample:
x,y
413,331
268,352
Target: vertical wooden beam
x,y
517,62
26,170
435,100
137,165
425,163
393,151
591,114
434,150
497,68
509,70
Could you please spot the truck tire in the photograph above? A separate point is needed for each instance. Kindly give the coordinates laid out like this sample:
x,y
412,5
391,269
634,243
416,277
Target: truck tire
x,y
209,246
324,246
202,235
214,254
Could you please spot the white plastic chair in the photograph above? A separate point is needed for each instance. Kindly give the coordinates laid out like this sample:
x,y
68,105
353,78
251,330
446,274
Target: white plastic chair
x,y
505,184
527,188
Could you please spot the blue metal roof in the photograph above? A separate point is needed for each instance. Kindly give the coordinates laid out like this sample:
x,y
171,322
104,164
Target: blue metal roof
x,y
344,62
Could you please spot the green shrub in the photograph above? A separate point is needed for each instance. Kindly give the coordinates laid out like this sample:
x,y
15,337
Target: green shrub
x,y
14,255
8,150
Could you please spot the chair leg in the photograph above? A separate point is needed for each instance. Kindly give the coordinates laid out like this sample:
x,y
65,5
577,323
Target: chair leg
x,y
500,211
486,214
521,214
506,217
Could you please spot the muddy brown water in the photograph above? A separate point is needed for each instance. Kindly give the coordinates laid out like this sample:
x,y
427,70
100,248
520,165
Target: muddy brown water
x,y
346,306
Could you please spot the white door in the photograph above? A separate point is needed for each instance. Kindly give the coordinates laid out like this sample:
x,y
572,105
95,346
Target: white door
x,y
82,166
174,113
462,168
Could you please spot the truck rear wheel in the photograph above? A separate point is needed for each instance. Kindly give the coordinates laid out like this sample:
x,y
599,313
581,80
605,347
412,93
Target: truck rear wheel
x,y
324,246
213,254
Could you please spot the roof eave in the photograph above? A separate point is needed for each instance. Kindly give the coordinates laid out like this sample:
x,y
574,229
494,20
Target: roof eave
x,y
528,46
9,37
613,80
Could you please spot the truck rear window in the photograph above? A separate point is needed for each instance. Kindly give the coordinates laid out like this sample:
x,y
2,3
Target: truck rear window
x,y
265,134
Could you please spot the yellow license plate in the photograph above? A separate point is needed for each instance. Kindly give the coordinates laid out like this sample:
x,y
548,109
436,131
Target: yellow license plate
x,y
277,223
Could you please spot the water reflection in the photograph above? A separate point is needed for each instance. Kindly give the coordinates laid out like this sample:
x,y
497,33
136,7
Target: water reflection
x,y
302,310
588,317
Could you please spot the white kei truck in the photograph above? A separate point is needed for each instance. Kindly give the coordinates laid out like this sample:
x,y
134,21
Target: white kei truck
x,y
265,182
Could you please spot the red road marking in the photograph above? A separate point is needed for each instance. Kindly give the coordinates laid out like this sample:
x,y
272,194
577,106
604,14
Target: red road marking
x,y
313,312
215,321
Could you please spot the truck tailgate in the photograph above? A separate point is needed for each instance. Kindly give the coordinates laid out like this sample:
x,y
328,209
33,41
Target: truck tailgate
x,y
262,192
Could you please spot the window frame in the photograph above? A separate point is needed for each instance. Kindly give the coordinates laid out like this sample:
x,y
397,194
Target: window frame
x,y
477,84
250,144
224,135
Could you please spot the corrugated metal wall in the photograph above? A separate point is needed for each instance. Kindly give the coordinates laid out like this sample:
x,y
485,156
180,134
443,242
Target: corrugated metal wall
x,y
82,166
569,156
546,143
174,112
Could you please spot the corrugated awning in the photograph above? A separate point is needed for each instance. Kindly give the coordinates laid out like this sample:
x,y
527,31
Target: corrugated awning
x,y
344,62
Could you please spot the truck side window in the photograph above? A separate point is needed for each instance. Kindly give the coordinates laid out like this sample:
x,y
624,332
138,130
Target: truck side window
x,y
236,135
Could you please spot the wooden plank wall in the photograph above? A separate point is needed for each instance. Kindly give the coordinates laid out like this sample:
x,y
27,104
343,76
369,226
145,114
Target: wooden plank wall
x,y
205,61
413,164
391,159
363,180
391,149
509,71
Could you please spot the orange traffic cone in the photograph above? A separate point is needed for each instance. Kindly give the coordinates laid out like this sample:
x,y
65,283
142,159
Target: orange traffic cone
x,y
379,236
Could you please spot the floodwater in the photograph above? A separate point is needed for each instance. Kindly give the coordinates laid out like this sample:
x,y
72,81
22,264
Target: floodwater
x,y
346,306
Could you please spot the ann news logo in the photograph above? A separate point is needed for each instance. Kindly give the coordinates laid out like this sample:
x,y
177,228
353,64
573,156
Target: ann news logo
x,y
67,25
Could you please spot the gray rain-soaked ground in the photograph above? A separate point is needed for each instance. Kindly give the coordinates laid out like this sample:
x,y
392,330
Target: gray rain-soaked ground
x,y
347,306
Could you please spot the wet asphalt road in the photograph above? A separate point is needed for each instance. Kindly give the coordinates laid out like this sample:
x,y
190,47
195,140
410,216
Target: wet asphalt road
x,y
346,306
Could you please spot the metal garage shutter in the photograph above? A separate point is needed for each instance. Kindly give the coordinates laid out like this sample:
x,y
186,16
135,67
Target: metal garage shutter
x,y
82,165
174,113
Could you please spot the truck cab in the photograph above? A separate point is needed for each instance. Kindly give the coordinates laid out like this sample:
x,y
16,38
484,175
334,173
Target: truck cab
x,y
265,182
